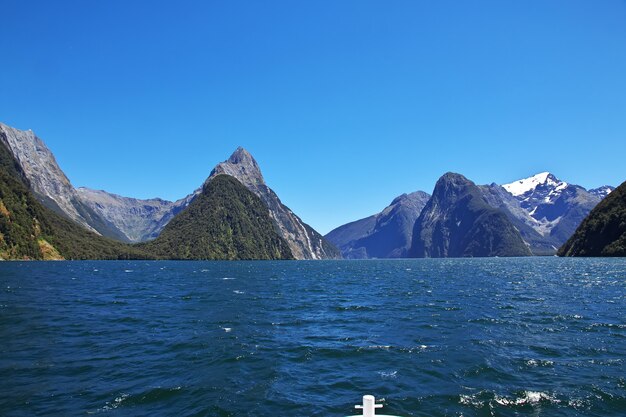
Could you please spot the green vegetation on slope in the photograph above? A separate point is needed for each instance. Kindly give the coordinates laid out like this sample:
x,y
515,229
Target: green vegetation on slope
x,y
603,231
226,221
28,230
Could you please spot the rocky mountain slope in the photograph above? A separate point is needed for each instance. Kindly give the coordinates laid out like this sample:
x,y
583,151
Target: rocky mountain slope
x,y
553,208
530,228
387,234
603,231
225,221
304,242
457,221
49,184
29,230
139,220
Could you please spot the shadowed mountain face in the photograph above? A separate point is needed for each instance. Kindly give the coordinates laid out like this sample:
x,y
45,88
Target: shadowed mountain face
x,y
225,221
387,234
458,222
603,231
304,242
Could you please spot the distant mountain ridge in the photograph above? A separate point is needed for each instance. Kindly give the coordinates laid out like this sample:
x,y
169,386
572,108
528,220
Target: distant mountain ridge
x,y
543,209
139,220
387,234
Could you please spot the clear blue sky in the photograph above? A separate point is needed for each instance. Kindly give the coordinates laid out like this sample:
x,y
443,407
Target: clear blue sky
x,y
345,104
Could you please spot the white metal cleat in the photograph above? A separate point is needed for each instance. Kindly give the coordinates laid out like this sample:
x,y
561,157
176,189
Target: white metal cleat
x,y
369,407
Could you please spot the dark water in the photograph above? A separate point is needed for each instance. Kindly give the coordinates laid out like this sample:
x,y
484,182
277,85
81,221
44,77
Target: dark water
x,y
535,337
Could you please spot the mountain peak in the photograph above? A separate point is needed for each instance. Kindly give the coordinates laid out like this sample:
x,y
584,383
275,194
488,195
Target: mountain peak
x,y
453,177
242,166
603,191
241,155
523,186
450,184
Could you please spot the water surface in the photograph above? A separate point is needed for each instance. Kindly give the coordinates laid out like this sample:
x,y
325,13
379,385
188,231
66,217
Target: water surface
x,y
446,337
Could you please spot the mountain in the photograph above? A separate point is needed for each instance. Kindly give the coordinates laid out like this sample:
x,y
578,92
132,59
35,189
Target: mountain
x,y
387,234
602,192
49,184
142,220
138,220
29,230
225,221
457,221
303,241
555,207
603,231
134,220
530,229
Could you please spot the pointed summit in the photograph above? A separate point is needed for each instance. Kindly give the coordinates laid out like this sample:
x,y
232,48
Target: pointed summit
x,y
240,155
242,166
450,185
303,241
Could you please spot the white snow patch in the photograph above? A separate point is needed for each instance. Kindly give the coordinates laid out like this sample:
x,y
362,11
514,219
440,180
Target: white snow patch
x,y
525,185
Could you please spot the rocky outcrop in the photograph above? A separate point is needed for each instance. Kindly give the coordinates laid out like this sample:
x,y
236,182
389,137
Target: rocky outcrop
x,y
387,234
304,242
458,222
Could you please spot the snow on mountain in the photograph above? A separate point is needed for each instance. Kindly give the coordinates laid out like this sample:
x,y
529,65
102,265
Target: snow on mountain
x,y
523,186
602,191
556,206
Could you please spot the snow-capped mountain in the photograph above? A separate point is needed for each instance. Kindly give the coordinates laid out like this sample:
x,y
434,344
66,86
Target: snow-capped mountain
x,y
602,191
557,207
544,185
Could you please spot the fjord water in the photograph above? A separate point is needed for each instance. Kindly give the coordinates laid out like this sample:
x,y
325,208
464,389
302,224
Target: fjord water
x,y
432,337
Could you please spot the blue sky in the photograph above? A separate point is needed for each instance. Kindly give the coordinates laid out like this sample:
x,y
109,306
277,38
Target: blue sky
x,y
345,104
